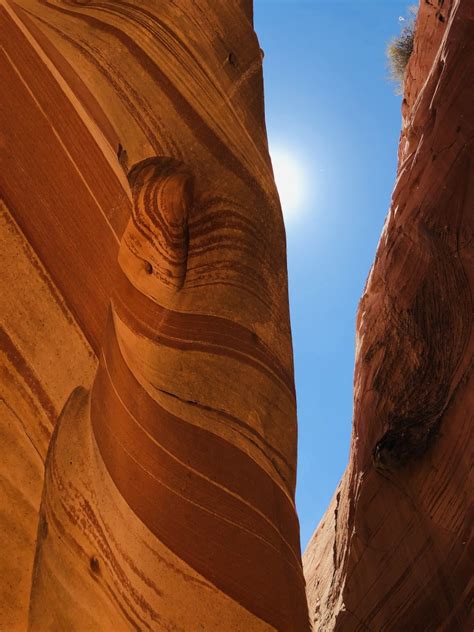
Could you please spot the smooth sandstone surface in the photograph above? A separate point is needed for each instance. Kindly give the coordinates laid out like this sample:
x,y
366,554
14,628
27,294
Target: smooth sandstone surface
x,y
394,550
148,404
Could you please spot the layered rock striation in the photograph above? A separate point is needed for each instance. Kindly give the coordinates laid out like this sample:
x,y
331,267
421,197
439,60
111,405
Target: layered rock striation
x,y
148,409
147,348
394,550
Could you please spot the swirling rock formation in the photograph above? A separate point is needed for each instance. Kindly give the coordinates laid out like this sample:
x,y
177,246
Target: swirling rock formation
x,y
146,288
148,420
394,550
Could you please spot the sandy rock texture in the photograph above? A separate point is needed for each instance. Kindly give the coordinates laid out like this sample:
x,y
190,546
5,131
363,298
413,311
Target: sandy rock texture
x,y
148,404
394,550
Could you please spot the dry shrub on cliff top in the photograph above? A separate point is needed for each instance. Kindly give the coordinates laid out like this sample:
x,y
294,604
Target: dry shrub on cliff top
x,y
400,49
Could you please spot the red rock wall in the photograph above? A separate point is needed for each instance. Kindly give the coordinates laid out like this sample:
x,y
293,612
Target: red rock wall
x,y
394,550
147,354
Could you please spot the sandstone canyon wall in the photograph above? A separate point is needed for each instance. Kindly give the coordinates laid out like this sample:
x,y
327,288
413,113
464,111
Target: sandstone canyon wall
x,y
148,423
394,551
146,350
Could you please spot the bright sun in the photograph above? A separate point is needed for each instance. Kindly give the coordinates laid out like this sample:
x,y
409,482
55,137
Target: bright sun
x,y
289,179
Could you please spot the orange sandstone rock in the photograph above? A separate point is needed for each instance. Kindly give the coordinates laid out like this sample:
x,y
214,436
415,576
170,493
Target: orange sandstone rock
x,y
394,550
146,299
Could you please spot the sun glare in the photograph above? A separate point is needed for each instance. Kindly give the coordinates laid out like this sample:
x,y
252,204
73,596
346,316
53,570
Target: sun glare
x,y
289,178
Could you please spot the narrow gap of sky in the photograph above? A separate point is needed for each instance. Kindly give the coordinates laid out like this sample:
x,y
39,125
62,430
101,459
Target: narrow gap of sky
x,y
332,114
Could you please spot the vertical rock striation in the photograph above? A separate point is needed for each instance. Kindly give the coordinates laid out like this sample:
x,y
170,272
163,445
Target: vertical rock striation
x,y
394,551
145,228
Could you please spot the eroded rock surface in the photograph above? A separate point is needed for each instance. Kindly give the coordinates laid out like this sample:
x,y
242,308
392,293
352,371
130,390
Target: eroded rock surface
x,y
394,551
148,353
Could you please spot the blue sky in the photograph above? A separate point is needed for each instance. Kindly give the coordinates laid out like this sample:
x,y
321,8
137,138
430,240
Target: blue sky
x,y
330,107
